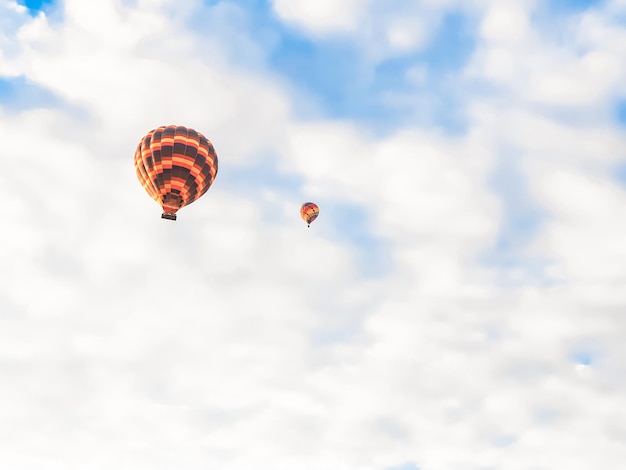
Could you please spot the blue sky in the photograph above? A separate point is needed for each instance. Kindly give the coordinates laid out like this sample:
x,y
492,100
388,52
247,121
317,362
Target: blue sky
x,y
36,5
457,304
347,87
621,111
19,93
573,5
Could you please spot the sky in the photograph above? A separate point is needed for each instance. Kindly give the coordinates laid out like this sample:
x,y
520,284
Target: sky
x,y
457,305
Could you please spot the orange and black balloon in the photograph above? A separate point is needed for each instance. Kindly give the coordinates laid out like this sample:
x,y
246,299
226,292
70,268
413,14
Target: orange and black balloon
x,y
309,212
175,165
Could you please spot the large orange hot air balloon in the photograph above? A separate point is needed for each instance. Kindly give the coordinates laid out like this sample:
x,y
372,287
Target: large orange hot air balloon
x,y
175,165
309,212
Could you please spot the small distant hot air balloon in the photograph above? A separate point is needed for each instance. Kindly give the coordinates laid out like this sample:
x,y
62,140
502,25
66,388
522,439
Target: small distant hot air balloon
x,y
309,212
175,165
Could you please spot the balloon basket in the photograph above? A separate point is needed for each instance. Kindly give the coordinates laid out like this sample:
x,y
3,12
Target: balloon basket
x,y
168,216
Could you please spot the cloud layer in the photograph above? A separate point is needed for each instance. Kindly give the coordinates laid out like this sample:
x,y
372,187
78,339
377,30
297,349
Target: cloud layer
x,y
457,304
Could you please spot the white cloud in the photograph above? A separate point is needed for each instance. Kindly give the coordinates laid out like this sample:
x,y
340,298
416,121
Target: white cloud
x,y
507,22
583,82
324,16
11,16
586,237
405,34
576,65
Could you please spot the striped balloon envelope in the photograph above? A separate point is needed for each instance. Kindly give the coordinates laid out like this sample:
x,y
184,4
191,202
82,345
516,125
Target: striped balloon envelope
x,y
309,212
175,165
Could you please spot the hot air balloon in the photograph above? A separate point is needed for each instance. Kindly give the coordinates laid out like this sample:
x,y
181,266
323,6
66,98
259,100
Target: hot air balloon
x,y
309,212
175,165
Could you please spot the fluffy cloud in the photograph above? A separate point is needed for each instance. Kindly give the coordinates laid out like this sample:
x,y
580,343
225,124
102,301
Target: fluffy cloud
x,y
323,16
576,65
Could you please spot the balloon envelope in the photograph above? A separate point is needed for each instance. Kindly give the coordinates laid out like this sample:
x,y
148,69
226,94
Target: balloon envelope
x,y
309,212
175,165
